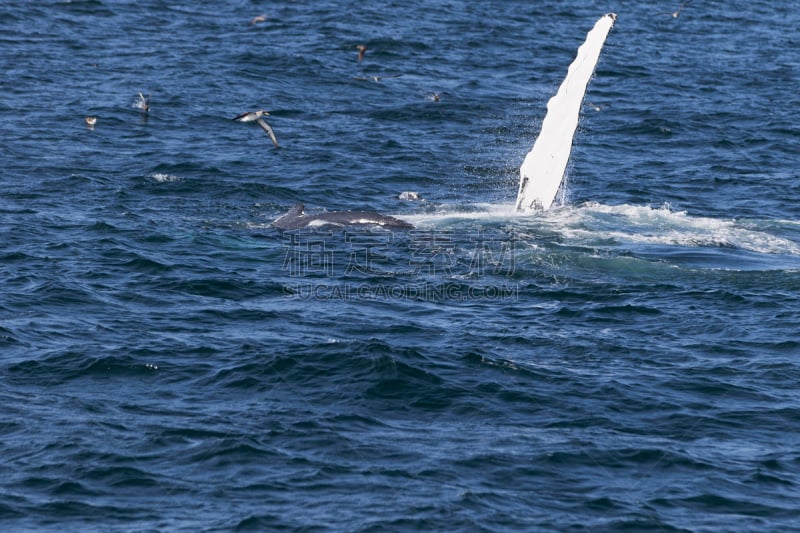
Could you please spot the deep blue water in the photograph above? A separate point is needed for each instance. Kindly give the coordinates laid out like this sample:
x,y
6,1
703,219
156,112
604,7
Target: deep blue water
x,y
628,360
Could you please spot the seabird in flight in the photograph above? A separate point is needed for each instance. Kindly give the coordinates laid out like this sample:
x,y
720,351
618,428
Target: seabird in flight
x,y
259,18
677,12
255,116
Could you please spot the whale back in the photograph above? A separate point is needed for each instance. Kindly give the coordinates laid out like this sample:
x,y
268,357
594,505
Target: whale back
x,y
293,219
296,218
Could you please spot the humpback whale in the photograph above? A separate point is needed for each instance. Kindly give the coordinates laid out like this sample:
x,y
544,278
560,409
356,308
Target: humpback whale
x,y
296,218
543,169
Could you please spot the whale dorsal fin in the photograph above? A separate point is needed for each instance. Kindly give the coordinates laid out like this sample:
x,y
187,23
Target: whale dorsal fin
x,y
296,210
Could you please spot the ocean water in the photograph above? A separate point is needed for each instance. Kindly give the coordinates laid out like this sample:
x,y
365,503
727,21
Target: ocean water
x,y
628,360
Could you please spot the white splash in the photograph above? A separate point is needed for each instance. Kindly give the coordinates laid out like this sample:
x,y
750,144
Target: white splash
x,y
596,225
644,225
161,177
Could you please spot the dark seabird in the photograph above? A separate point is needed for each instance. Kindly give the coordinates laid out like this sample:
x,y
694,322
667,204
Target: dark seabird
x,y
362,49
255,116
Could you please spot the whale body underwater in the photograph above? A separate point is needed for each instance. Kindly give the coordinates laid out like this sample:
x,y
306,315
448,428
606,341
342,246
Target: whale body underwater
x,y
542,171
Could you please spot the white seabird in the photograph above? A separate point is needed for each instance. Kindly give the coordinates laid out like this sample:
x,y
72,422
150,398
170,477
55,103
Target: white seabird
x,y
255,116
142,103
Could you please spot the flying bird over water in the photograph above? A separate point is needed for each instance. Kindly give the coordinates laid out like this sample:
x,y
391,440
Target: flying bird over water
x,y
259,18
255,116
675,14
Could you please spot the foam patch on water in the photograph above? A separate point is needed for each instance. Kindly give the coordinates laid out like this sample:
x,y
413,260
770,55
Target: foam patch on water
x,y
630,224
595,225
161,177
449,214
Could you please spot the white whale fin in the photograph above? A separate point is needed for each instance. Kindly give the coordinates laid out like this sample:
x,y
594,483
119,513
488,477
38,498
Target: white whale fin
x,y
543,169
